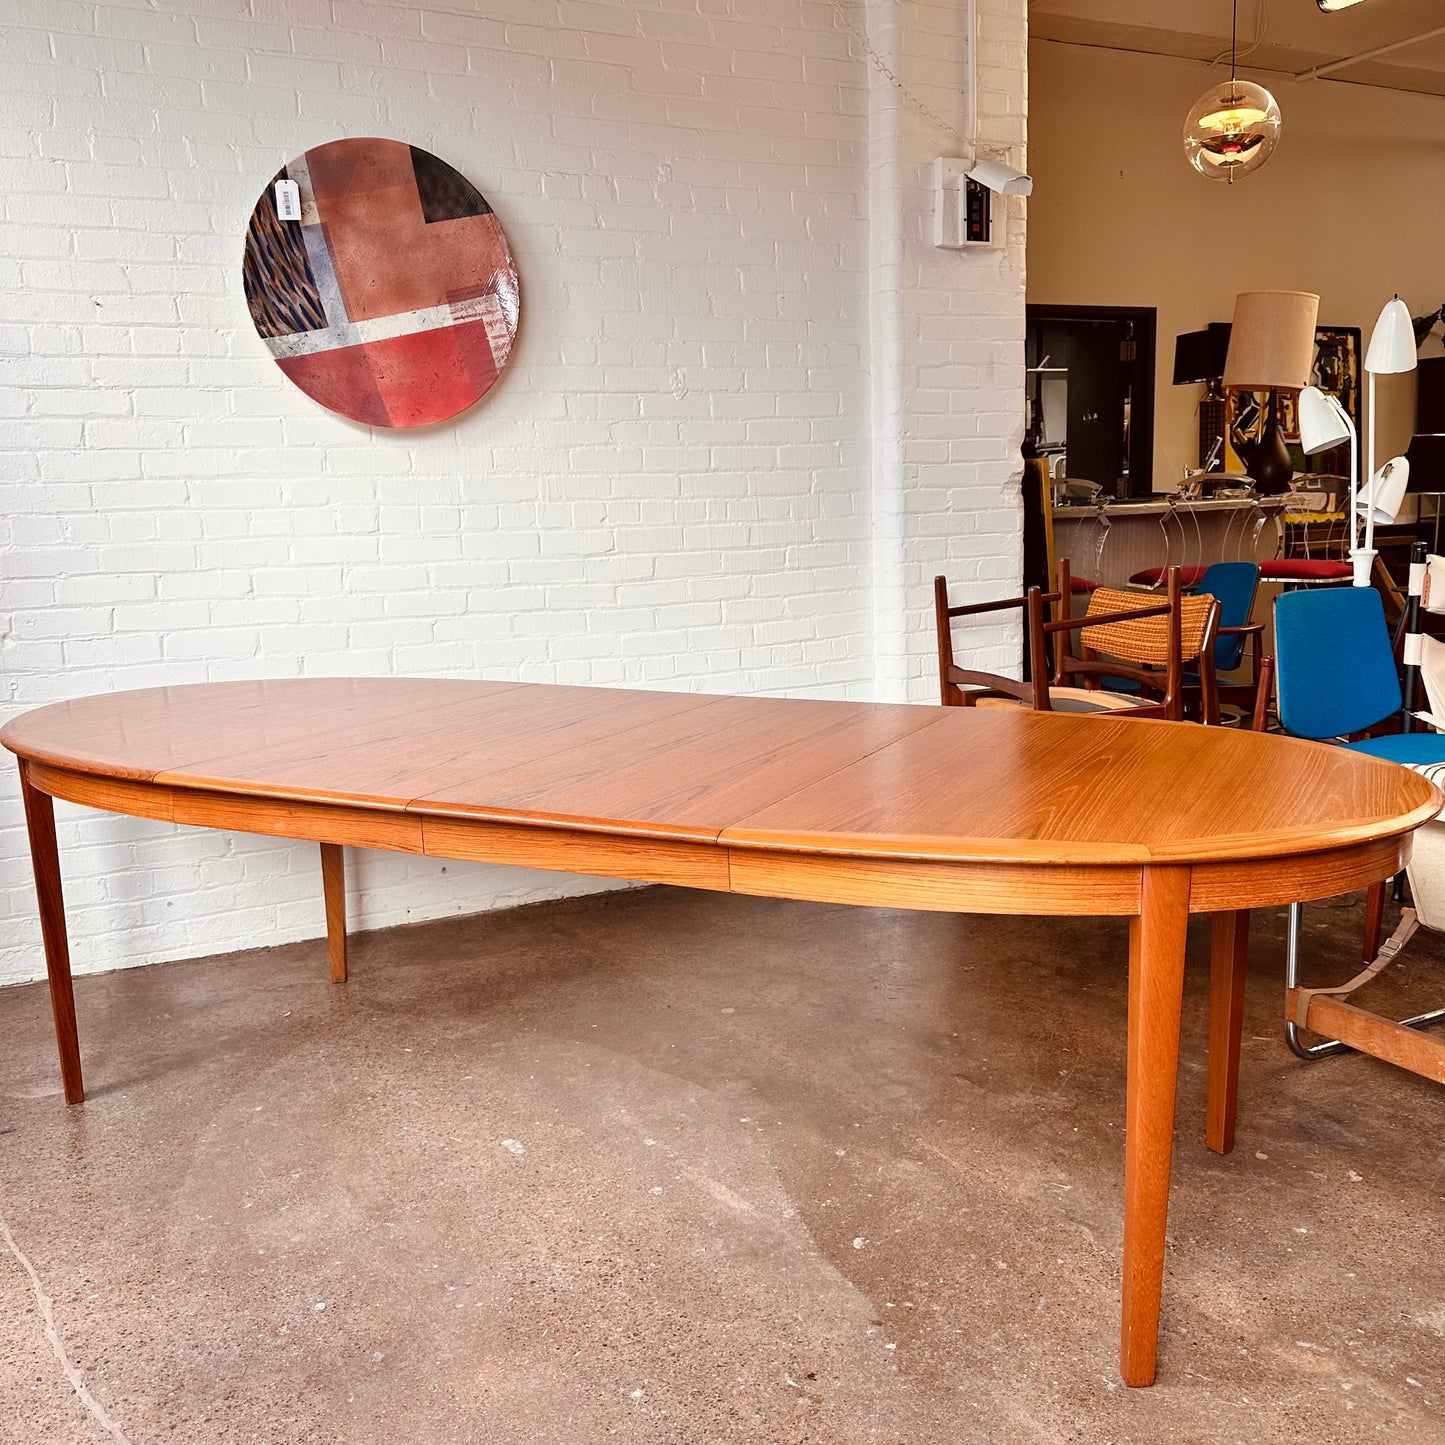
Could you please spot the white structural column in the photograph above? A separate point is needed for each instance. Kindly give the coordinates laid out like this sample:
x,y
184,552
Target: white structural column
x,y
946,329
886,191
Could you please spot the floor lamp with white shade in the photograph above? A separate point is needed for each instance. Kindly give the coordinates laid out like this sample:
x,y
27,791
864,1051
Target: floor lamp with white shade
x,y
1324,423
1391,352
1381,502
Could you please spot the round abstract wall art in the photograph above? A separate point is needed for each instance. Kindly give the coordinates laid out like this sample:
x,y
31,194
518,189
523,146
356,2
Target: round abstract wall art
x,y
392,297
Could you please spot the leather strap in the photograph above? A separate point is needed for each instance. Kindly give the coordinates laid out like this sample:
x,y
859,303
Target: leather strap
x,y
1299,998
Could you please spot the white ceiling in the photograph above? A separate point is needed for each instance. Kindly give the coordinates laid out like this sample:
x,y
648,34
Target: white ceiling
x,y
1297,36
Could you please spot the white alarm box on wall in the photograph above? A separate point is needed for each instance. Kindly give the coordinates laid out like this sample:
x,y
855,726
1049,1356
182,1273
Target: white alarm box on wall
x,y
964,211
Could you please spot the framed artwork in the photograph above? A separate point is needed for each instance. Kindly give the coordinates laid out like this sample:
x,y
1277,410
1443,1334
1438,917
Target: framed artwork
x,y
1336,370
381,282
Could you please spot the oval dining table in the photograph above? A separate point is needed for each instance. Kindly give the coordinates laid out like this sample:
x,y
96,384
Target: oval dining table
x,y
961,809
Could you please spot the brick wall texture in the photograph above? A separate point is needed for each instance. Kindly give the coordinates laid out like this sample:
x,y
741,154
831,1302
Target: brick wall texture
x,y
750,413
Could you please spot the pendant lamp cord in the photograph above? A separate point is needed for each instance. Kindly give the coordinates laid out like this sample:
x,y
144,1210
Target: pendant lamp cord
x,y
1233,40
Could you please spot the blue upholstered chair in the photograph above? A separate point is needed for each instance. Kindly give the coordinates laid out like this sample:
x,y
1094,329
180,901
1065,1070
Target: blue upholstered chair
x,y
1233,585
1337,674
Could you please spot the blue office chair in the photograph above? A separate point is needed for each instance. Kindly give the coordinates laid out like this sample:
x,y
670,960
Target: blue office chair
x,y
1336,675
1335,667
1233,585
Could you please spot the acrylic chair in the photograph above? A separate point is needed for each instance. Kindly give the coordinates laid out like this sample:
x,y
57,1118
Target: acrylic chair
x,y
1336,677
1295,567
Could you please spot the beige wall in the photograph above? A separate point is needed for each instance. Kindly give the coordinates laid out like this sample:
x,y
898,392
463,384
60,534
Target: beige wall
x,y
1351,205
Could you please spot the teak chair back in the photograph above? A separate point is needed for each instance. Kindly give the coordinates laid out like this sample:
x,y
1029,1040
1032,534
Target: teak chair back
x,y
964,687
1146,645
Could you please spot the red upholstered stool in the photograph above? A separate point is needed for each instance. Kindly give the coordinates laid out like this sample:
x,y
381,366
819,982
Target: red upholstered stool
x,y
1306,572
1152,576
1082,584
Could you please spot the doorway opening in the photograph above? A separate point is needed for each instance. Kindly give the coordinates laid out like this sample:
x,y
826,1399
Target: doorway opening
x,y
1090,394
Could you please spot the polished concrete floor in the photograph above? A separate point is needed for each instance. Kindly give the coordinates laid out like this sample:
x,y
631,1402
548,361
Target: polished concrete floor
x,y
673,1167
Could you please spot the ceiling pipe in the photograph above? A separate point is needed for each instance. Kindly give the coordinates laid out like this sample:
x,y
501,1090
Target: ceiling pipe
x,y
1317,72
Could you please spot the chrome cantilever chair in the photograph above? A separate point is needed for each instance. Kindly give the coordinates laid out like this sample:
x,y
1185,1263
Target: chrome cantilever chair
x,y
1337,677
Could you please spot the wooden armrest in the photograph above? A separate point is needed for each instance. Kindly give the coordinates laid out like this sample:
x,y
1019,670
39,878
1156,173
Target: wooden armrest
x,y
973,609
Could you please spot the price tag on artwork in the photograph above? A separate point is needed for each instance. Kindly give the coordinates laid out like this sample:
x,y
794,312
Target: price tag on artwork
x,y
288,200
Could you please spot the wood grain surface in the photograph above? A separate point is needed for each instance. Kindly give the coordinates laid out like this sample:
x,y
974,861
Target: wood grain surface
x,y
333,886
1228,957
1013,784
1156,989
859,779
45,858
1420,1053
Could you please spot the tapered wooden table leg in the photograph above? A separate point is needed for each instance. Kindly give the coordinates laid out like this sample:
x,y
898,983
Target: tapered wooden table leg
x,y
1374,919
45,859
1156,998
1228,948
333,885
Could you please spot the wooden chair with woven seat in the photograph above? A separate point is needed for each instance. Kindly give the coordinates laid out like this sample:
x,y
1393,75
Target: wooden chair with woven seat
x,y
1126,641
1238,636
961,686
1147,643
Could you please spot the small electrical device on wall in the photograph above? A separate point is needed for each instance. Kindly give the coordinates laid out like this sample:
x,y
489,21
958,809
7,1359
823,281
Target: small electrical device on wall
x,y
966,212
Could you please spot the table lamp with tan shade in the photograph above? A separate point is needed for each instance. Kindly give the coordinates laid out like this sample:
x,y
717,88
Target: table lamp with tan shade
x,y
1271,348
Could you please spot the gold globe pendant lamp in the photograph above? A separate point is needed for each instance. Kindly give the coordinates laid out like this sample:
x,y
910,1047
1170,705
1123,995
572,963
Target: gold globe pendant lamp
x,y
1234,127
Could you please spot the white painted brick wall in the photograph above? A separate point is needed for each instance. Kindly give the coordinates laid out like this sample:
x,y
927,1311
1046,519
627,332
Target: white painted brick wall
x,y
672,485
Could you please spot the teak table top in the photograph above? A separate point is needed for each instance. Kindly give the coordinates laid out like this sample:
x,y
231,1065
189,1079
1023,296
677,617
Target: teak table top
x,y
997,810
861,779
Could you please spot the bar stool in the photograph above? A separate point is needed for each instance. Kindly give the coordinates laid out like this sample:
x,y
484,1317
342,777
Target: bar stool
x,y
1152,576
1297,572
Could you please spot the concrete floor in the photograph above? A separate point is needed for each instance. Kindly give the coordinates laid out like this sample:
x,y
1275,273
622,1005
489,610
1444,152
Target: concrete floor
x,y
675,1167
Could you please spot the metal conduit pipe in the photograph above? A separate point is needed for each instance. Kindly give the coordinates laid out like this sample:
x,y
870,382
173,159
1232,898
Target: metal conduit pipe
x,y
1317,72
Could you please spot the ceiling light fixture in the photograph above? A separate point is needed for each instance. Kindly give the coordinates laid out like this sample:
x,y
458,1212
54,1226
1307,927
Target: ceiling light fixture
x,y
1329,6
1233,128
